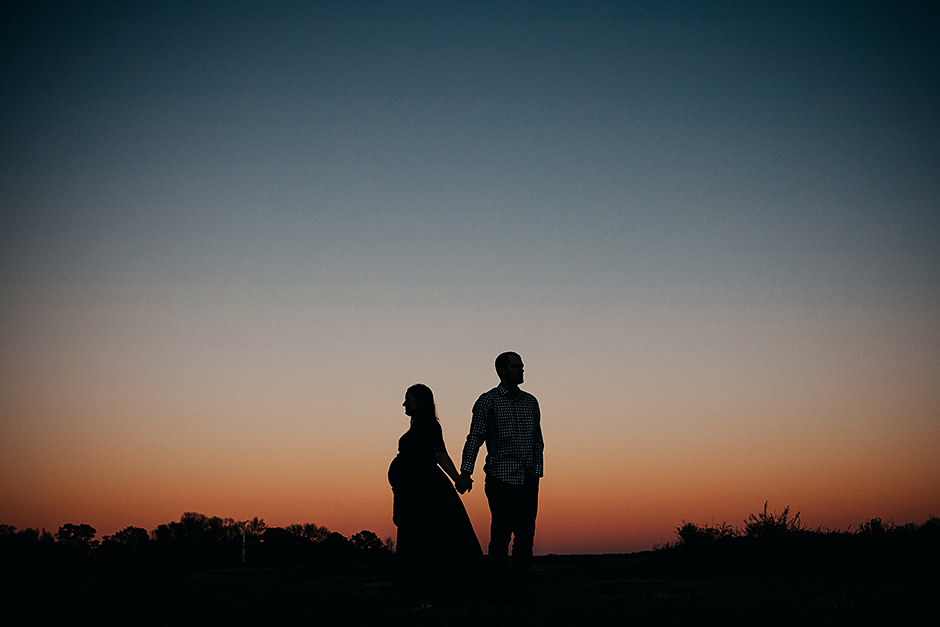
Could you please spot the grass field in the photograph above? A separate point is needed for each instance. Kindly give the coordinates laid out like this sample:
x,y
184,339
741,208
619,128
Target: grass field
x,y
594,589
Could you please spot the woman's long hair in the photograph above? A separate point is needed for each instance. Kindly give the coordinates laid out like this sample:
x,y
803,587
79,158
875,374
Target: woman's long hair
x,y
424,397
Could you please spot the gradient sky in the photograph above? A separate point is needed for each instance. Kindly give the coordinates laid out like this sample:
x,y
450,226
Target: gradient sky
x,y
233,234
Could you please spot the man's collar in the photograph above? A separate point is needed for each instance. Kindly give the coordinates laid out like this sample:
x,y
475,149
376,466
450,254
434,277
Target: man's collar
x,y
504,392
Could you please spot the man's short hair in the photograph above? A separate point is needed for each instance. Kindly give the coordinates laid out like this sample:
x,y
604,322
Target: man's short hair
x,y
503,360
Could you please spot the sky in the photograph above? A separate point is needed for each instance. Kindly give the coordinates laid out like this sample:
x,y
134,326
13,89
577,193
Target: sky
x,y
233,233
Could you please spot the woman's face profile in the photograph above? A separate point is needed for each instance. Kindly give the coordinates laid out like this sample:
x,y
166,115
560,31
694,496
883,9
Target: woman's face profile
x,y
410,404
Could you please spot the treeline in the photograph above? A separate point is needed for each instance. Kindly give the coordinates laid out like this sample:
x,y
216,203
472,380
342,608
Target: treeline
x,y
766,542
781,542
195,541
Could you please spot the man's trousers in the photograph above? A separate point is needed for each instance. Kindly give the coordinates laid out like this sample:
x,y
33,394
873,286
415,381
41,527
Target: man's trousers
x,y
512,509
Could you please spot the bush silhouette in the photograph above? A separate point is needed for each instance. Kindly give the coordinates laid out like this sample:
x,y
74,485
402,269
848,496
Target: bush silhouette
x,y
771,526
691,534
778,542
367,541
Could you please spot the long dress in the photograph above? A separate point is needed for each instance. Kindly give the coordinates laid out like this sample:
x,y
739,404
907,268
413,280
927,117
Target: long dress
x,y
433,526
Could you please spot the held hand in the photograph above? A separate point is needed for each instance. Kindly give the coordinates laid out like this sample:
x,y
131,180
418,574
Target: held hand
x,y
464,483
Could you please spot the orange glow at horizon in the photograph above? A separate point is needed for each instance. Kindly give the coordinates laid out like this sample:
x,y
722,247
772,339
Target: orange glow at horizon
x,y
644,425
604,491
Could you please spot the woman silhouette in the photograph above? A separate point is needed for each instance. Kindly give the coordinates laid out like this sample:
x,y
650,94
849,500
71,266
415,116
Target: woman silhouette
x,y
434,530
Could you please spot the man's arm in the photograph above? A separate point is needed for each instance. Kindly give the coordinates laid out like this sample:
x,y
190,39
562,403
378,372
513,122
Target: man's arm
x,y
539,443
482,410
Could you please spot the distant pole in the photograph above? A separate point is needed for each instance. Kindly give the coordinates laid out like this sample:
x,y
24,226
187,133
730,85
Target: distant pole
x,y
244,529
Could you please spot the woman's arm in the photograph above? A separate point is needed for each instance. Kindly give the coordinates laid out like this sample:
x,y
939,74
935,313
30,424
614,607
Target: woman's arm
x,y
445,462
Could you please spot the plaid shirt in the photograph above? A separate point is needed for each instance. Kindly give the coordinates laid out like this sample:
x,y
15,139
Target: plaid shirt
x,y
511,427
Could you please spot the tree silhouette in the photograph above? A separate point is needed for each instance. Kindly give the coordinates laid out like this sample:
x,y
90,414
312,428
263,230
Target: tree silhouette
x,y
132,537
32,546
199,540
79,537
310,531
256,527
335,545
367,541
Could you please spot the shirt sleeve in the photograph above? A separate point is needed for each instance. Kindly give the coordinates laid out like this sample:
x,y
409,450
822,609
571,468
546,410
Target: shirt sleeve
x,y
539,443
482,411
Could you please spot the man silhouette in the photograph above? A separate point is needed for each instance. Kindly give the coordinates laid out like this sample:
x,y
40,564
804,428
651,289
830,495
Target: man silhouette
x,y
509,421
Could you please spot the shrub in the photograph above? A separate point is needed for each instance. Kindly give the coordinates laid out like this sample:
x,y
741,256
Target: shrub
x,y
690,534
771,526
875,527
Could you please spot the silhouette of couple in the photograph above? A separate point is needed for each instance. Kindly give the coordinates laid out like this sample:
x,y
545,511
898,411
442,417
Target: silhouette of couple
x,y
435,534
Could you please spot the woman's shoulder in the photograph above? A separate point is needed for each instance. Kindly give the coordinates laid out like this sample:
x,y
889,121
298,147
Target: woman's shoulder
x,y
430,433
429,429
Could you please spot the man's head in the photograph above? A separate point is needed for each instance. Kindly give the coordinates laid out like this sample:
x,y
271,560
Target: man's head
x,y
509,367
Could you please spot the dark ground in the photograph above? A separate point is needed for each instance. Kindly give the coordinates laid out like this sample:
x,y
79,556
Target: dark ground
x,y
639,588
